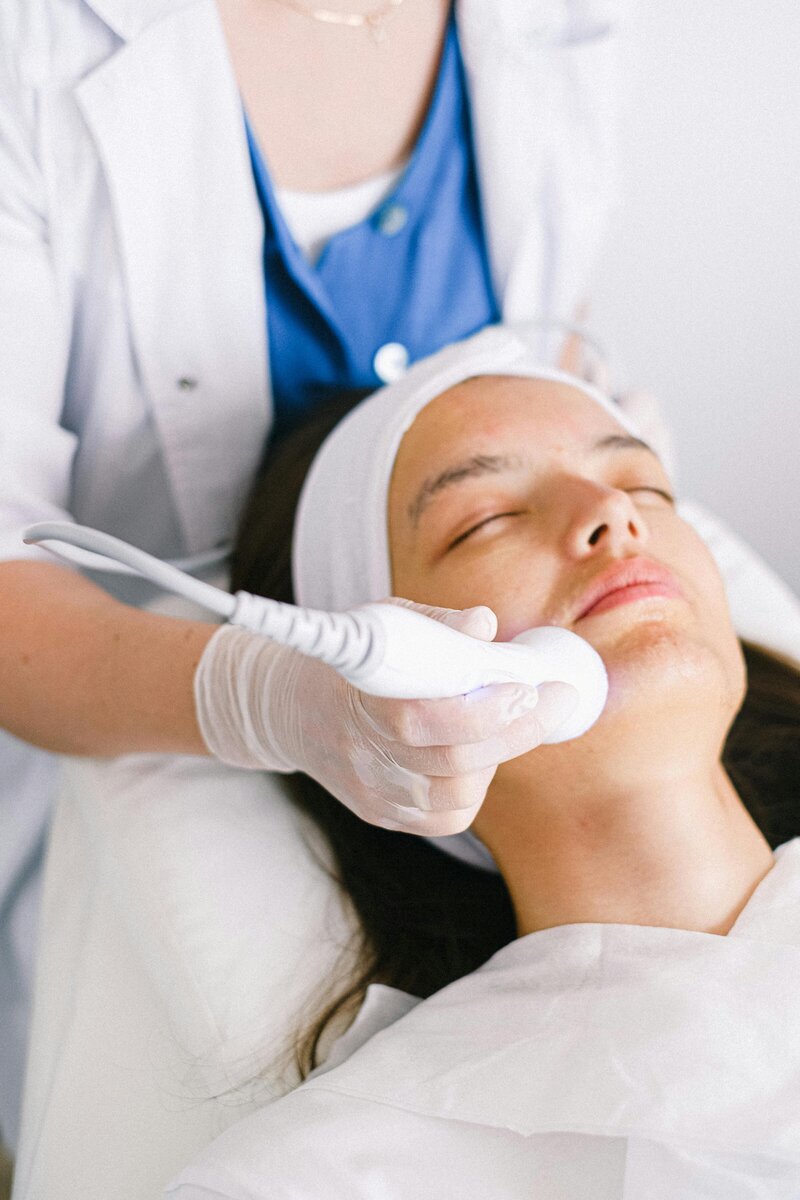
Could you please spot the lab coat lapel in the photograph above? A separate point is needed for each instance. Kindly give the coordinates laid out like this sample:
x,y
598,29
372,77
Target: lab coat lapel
x,y
542,77
625,1031
166,117
129,17
507,93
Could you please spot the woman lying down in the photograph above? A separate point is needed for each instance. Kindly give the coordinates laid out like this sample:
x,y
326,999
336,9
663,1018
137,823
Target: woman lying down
x,y
610,960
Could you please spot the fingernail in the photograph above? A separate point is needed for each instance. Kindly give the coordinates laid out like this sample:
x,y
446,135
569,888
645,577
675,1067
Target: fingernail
x,y
558,703
522,701
482,620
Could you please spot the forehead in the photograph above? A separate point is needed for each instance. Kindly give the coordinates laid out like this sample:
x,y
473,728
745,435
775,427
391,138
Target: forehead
x,y
534,416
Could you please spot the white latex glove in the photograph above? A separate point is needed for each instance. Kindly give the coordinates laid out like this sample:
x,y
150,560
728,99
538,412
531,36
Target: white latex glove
x,y
419,766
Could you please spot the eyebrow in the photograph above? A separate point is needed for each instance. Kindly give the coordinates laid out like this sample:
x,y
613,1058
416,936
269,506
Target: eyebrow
x,y
497,464
622,441
470,468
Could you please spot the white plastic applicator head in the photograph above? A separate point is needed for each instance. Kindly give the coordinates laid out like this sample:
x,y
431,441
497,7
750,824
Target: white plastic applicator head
x,y
567,658
394,651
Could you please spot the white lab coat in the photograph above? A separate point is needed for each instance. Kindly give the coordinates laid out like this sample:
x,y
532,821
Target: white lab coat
x,y
616,1062
134,375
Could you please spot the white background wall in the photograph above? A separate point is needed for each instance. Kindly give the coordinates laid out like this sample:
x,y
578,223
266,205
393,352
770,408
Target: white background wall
x,y
698,293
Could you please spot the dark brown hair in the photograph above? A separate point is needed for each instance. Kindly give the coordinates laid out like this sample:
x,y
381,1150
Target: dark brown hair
x,y
427,919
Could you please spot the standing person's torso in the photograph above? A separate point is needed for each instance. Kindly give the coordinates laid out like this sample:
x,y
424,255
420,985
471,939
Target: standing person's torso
x,y
356,107
392,281
150,391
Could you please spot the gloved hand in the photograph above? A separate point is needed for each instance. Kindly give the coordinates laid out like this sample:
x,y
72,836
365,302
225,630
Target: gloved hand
x,y
418,766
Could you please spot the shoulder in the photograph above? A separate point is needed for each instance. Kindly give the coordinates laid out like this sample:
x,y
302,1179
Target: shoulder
x,y
312,1144
47,41
317,1132
540,24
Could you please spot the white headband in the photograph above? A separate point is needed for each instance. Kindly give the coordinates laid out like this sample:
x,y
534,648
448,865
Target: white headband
x,y
340,551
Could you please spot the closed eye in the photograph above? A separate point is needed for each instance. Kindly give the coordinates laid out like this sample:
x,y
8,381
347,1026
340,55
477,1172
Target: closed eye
x,y
462,537
655,491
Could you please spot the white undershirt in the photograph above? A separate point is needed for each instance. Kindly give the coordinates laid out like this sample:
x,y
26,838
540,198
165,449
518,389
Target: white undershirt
x,y
314,218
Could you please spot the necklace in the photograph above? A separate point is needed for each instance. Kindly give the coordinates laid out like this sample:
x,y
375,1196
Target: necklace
x,y
375,21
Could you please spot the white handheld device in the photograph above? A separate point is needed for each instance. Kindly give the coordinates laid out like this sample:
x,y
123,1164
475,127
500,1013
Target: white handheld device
x,y
382,649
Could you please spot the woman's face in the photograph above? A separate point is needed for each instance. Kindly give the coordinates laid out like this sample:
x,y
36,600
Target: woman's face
x,y
527,496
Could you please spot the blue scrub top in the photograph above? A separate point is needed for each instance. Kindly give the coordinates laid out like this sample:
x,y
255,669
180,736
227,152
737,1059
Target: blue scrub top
x,y
401,284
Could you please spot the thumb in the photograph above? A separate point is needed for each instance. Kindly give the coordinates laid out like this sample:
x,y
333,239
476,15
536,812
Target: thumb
x,y
478,622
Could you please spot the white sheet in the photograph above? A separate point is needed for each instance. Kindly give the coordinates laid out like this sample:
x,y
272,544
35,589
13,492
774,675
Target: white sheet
x,y
612,1061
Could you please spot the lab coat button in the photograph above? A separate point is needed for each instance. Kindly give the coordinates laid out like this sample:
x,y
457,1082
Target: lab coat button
x,y
390,362
392,219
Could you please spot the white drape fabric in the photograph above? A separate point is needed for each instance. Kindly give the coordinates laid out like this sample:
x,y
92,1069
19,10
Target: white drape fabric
x,y
620,1062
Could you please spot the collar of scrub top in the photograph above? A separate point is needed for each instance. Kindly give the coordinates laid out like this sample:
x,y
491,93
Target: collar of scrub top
x,y
368,306
677,1036
340,546
411,194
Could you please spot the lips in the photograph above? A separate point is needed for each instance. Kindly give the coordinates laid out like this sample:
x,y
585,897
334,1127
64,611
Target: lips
x,y
626,581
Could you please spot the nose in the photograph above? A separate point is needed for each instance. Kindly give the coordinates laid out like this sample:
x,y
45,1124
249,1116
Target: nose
x,y
605,520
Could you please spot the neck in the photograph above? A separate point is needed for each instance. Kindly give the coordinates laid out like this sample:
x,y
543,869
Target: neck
x,y
681,853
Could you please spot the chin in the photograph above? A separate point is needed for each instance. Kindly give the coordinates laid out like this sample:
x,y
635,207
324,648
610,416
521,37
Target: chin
x,y
675,674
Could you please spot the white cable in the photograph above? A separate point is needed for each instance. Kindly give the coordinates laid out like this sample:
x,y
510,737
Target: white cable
x,y
88,560
381,649
342,640
107,553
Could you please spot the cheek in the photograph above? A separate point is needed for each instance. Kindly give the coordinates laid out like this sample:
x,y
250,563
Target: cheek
x,y
517,597
687,640
673,672
713,613
456,590
518,612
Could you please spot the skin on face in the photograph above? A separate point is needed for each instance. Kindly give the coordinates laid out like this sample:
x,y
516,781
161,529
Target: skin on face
x,y
528,496
519,494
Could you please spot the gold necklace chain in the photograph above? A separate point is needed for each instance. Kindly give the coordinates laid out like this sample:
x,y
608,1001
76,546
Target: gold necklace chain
x,y
375,21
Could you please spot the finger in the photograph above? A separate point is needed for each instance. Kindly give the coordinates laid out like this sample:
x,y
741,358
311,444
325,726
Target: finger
x,y
459,794
478,622
557,702
437,762
457,720
434,824
387,784
451,806
424,822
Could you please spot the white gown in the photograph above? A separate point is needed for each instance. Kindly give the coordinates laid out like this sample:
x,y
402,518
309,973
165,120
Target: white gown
x,y
585,1062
